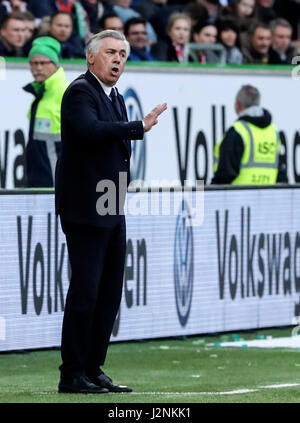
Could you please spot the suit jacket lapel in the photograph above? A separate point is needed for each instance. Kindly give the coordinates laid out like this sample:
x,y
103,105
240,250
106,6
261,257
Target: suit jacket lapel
x,y
112,113
127,143
90,77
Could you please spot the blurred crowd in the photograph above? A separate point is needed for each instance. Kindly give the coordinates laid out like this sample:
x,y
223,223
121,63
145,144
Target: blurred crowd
x,y
216,31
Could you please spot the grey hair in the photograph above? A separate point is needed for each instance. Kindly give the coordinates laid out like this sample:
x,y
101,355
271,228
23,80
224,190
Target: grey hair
x,y
94,44
280,22
248,96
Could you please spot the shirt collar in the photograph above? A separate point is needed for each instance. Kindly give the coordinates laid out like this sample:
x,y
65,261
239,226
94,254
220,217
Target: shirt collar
x,y
252,111
105,87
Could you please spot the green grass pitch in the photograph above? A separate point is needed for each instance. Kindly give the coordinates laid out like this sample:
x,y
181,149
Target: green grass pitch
x,y
185,370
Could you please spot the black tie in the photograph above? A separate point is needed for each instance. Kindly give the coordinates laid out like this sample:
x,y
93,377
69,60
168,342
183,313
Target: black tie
x,y
116,103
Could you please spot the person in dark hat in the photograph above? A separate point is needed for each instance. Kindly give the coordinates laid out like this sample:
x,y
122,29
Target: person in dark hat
x,y
48,87
228,36
205,33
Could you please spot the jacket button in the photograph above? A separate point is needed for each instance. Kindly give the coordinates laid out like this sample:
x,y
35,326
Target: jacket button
x,y
126,160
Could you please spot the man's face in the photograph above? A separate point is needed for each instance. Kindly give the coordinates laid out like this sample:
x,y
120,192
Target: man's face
x,y
109,63
61,27
207,35
14,32
114,23
137,36
180,31
261,40
41,67
281,38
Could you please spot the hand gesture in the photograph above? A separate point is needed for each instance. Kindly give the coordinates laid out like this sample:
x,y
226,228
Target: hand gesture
x,y
152,118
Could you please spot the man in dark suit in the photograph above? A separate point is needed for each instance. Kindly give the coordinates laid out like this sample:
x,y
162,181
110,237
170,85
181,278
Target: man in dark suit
x,y
95,159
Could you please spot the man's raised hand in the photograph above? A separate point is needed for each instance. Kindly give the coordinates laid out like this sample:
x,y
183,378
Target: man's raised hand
x,y
152,118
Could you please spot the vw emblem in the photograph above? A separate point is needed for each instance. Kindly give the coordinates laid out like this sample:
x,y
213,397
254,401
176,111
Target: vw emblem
x,y
183,263
138,158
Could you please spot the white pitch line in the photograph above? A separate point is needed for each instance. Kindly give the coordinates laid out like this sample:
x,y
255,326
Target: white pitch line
x,y
183,394
282,385
234,392
238,391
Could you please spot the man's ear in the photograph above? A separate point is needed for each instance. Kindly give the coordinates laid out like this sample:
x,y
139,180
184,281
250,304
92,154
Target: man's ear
x,y
91,58
237,107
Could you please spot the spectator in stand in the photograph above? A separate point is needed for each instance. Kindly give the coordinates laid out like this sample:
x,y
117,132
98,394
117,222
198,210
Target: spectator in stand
x,y
281,51
122,9
205,33
242,11
148,8
136,34
264,11
197,13
212,6
43,10
14,6
93,9
257,45
12,35
48,7
159,19
179,32
228,36
43,26
111,21
61,28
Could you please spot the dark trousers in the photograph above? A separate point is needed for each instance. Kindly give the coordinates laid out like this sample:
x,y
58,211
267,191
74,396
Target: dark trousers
x,y
97,258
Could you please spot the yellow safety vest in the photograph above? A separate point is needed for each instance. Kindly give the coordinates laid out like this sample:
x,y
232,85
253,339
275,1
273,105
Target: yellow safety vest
x,y
259,164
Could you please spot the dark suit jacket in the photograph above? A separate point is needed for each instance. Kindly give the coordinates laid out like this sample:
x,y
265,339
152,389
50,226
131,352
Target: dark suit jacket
x,y
275,59
94,148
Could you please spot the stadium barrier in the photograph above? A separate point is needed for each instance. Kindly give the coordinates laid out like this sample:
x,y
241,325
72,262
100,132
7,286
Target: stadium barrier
x,y
236,267
200,108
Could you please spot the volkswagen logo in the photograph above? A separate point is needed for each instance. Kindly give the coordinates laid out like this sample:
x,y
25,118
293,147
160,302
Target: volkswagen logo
x,y
138,158
183,263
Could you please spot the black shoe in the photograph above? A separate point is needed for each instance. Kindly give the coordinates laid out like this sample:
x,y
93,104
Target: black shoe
x,y
104,381
79,385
